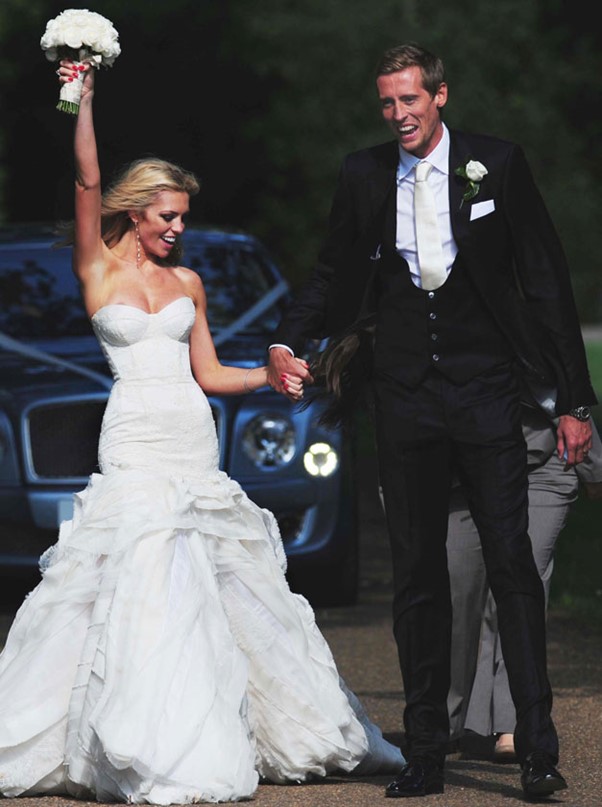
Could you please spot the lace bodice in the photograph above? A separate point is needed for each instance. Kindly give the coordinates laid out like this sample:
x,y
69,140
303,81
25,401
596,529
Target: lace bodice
x,y
142,347
157,416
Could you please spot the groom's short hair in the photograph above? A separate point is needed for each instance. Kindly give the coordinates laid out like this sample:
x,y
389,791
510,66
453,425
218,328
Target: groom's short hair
x,y
412,55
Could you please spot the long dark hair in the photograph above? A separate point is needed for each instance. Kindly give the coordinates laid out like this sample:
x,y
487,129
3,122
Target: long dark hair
x,y
343,373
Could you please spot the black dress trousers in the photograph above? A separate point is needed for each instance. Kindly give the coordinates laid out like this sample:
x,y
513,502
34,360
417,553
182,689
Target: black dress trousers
x,y
424,435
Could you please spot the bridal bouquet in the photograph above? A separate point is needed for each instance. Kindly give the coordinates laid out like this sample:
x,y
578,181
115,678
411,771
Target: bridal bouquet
x,y
79,35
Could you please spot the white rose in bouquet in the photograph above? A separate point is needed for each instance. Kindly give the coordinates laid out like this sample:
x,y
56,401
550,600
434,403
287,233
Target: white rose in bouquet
x,y
83,36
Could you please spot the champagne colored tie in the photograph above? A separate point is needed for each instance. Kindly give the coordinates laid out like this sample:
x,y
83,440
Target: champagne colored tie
x,y
428,238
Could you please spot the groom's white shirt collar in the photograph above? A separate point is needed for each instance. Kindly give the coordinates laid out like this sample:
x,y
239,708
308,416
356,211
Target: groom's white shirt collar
x,y
438,158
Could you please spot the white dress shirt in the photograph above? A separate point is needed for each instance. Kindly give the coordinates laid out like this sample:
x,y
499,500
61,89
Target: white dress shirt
x,y
438,181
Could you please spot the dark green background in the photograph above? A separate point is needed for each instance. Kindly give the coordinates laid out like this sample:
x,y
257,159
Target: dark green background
x,y
263,98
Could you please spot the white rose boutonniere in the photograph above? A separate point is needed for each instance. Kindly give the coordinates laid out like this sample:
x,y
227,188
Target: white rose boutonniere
x,y
473,172
79,35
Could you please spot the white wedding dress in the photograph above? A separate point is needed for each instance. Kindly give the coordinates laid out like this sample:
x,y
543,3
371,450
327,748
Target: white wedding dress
x,y
163,658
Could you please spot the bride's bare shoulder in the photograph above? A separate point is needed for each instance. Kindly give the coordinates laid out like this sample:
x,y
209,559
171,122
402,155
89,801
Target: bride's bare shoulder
x,y
189,277
192,283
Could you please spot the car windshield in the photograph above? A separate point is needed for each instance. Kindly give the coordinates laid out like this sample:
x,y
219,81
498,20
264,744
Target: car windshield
x,y
237,278
40,295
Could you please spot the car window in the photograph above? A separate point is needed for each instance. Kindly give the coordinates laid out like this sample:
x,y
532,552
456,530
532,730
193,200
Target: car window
x,y
235,278
40,295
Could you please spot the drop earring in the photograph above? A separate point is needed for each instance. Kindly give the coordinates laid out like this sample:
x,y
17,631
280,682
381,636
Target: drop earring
x,y
138,245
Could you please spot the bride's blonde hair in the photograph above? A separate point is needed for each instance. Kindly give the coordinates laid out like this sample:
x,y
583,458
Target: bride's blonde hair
x,y
135,188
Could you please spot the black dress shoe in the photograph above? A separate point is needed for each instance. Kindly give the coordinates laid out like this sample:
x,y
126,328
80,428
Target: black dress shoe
x,y
539,777
419,777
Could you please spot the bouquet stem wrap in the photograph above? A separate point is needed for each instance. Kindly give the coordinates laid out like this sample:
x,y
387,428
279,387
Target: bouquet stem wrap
x,y
71,92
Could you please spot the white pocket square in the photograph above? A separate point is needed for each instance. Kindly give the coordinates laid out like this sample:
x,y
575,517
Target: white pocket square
x,y
480,209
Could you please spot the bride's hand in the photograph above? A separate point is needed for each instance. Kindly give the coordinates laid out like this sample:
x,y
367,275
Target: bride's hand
x,y
293,386
69,71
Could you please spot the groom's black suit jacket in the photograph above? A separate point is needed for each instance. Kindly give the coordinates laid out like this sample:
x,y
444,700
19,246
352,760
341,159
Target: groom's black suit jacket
x,y
512,254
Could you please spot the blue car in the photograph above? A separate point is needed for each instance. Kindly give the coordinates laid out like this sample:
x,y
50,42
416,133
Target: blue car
x,y
54,384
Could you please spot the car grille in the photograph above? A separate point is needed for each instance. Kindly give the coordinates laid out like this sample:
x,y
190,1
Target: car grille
x,y
61,438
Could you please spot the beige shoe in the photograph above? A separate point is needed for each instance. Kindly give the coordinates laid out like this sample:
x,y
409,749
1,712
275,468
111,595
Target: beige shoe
x,y
504,748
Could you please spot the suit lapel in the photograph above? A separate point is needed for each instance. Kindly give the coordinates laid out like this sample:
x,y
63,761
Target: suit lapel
x,y
382,186
459,211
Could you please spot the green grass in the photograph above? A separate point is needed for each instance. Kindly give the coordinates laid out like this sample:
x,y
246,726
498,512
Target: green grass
x,y
577,577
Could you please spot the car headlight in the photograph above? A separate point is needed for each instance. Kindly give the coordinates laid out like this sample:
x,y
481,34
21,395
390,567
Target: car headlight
x,y
320,459
269,441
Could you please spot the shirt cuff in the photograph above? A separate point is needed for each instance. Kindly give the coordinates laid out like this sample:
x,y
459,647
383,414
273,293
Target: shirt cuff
x,y
286,347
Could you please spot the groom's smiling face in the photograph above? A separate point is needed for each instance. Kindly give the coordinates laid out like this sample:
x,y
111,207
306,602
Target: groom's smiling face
x,y
410,111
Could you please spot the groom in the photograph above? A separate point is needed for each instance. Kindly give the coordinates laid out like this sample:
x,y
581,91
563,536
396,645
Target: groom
x,y
470,291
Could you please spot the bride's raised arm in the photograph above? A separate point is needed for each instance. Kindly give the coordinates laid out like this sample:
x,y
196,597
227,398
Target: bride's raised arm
x,y
88,257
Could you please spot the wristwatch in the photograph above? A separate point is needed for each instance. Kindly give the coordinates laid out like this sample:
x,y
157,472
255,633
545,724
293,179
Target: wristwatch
x,y
582,413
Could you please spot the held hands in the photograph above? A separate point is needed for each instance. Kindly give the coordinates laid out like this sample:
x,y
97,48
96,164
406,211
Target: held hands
x,y
574,439
287,374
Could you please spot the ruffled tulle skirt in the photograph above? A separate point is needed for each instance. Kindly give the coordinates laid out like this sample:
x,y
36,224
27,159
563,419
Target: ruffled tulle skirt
x,y
164,659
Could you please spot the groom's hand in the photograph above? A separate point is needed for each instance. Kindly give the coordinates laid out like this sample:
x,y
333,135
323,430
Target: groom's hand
x,y
281,365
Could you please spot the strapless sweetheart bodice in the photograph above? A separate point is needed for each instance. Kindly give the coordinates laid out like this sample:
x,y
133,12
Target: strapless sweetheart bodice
x,y
157,416
145,347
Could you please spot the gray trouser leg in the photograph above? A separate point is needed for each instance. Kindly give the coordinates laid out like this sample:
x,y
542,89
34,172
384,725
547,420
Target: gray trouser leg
x,y
490,710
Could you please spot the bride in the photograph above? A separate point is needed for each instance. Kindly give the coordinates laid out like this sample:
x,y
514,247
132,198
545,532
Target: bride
x,y
163,658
